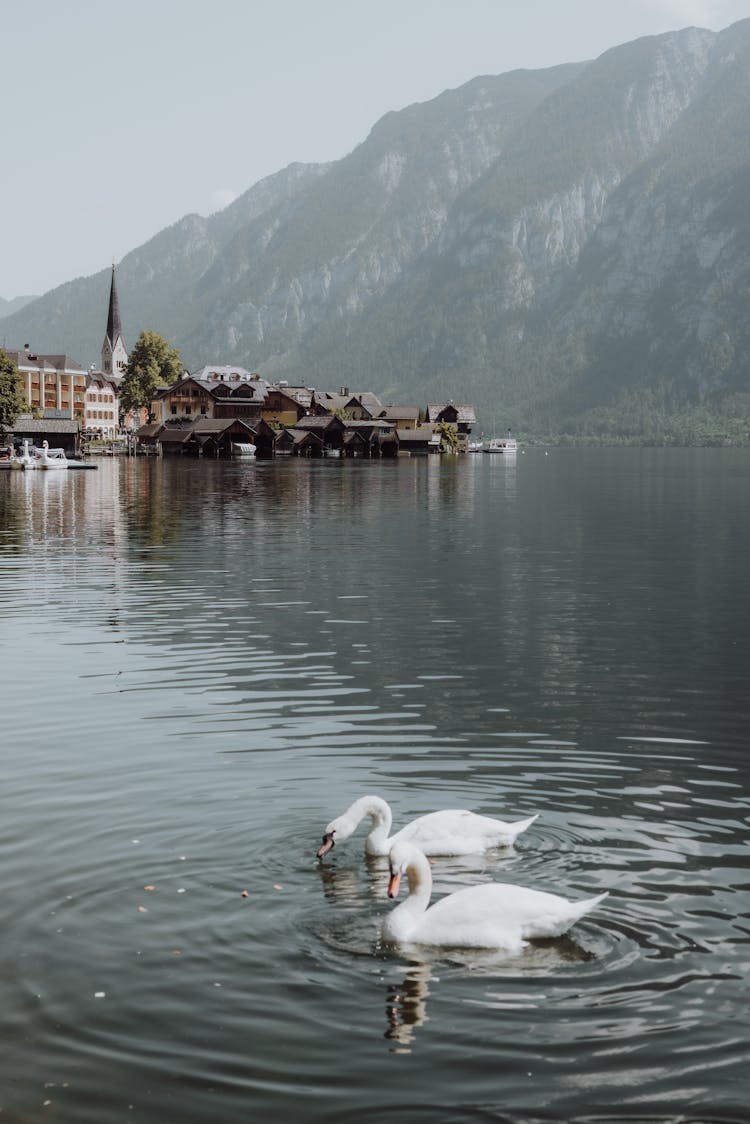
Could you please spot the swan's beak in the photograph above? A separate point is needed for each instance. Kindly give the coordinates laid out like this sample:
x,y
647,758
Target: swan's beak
x,y
393,884
326,845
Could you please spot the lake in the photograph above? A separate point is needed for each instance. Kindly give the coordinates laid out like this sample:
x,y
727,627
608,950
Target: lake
x,y
204,663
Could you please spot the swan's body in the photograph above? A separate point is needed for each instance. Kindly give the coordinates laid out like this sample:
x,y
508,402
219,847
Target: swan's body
x,y
493,915
452,831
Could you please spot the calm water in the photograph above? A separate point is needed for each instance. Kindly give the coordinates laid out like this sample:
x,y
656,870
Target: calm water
x,y
204,663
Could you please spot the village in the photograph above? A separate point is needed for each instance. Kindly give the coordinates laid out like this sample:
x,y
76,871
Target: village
x,y
220,411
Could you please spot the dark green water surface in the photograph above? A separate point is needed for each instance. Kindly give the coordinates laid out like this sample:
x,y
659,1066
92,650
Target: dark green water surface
x,y
204,663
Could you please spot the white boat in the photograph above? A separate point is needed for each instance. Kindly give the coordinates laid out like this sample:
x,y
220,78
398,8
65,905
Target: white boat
x,y
26,459
45,458
50,458
508,446
243,449
475,447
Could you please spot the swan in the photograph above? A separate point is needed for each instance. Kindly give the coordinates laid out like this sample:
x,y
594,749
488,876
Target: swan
x,y
493,915
450,832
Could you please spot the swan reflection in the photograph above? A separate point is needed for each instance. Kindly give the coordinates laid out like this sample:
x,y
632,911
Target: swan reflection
x,y
345,885
406,1006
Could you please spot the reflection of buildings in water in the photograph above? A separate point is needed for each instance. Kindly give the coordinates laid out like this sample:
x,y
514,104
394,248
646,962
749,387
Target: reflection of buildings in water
x,y
505,473
54,507
406,1006
68,529
448,482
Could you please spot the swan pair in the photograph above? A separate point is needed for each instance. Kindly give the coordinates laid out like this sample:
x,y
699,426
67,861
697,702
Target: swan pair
x,y
494,915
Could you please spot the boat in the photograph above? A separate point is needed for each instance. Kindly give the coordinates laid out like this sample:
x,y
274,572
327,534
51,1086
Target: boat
x,y
50,459
475,447
243,449
507,446
26,458
45,458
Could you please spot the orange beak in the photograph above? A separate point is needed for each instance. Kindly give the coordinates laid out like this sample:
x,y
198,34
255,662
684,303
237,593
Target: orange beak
x,y
393,884
326,845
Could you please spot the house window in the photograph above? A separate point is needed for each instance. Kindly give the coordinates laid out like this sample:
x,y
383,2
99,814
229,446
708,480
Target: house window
x,y
174,409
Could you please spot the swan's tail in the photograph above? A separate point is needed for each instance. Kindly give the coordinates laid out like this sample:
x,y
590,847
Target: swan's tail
x,y
513,830
580,909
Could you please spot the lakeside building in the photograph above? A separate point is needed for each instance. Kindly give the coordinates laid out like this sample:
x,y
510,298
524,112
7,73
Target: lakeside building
x,y
209,411
52,384
69,401
102,412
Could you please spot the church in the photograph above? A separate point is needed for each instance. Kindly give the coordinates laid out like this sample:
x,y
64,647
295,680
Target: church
x,y
114,355
102,387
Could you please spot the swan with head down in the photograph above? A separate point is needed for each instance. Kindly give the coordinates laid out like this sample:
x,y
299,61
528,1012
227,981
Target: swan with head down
x,y
495,915
452,831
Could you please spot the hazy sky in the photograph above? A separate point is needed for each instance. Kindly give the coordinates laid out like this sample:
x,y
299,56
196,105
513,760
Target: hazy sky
x,y
120,118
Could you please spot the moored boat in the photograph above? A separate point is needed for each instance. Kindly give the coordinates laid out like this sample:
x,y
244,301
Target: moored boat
x,y
507,446
29,457
26,458
243,449
50,459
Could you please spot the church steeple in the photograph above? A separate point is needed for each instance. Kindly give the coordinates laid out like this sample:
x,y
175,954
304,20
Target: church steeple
x,y
114,327
114,355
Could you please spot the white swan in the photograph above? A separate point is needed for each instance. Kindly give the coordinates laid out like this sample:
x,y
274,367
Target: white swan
x,y
450,832
493,915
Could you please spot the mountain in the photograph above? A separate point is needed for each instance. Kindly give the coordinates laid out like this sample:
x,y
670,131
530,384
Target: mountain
x,y
7,308
568,248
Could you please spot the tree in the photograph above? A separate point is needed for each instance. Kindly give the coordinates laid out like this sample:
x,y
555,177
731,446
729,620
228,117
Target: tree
x,y
152,364
448,435
12,401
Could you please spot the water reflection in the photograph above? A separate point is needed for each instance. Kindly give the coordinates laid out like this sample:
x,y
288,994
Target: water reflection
x,y
209,663
406,1006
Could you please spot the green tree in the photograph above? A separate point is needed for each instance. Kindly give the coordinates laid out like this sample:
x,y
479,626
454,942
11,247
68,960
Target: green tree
x,y
448,435
152,364
12,401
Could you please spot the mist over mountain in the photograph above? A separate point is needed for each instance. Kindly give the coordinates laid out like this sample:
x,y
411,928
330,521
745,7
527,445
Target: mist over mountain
x,y
567,248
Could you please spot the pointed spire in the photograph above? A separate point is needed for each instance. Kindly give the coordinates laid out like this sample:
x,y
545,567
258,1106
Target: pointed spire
x,y
114,327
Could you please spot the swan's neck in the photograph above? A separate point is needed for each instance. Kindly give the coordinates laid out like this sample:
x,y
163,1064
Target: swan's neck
x,y
380,815
407,915
419,876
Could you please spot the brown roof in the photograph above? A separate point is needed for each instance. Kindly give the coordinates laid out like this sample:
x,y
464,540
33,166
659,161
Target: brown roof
x,y
464,412
24,357
399,413
146,432
367,399
170,435
24,423
423,434
319,423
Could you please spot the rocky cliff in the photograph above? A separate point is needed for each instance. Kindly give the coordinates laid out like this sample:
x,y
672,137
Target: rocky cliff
x,y
568,248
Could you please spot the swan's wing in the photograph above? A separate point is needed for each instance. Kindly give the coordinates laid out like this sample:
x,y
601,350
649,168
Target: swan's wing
x,y
498,915
456,831
541,914
469,918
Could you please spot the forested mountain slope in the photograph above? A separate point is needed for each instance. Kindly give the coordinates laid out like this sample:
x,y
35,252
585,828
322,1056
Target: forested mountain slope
x,y
567,248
